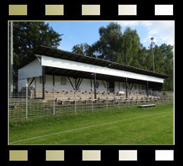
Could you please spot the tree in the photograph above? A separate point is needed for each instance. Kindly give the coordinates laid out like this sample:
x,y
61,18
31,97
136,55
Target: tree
x,y
163,59
29,35
159,60
83,49
109,45
142,57
113,46
131,46
167,51
127,49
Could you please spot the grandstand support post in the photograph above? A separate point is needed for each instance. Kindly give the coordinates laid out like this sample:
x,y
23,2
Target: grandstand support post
x,y
35,88
126,89
95,94
147,88
92,98
53,80
53,100
118,101
75,101
26,96
43,82
107,97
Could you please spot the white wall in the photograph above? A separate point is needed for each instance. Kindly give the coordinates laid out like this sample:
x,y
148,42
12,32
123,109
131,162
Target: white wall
x,y
21,83
38,85
135,88
60,87
33,69
49,83
85,85
101,87
120,86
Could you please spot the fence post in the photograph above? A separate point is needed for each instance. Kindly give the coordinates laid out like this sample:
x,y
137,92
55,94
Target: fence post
x,y
92,99
118,99
53,100
107,99
26,96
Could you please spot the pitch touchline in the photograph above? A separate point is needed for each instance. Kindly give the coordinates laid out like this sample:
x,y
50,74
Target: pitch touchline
x,y
67,131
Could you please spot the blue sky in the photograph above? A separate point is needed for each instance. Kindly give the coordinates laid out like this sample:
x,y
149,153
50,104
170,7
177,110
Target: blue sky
x,y
77,32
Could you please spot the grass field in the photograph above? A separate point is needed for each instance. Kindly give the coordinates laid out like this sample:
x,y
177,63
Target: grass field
x,y
118,126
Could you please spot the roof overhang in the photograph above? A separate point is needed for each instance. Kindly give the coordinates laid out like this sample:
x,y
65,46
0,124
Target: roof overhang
x,y
76,58
90,68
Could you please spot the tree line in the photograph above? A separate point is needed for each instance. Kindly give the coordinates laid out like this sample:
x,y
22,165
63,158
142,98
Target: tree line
x,y
126,49
112,46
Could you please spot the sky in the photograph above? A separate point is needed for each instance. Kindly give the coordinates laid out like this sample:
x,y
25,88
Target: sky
x,y
78,32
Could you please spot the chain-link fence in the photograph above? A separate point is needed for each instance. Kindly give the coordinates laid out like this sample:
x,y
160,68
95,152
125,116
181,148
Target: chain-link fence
x,y
29,103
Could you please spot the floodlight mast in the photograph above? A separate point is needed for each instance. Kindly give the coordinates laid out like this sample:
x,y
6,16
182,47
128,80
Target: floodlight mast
x,y
152,42
10,58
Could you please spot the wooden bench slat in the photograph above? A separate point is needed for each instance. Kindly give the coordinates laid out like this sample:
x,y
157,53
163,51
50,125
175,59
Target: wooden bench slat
x,y
148,105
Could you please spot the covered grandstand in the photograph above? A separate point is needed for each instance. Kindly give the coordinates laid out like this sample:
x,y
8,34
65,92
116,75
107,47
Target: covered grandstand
x,y
91,78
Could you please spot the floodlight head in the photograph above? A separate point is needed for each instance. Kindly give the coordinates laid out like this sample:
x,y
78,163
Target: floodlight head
x,y
152,38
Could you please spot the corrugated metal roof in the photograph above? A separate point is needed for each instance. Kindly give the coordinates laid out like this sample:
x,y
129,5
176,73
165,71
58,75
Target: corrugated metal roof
x,y
57,53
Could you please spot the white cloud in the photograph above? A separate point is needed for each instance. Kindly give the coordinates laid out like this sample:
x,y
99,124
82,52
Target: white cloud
x,y
162,31
128,23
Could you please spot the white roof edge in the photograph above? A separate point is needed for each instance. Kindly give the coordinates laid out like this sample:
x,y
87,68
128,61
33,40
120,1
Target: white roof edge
x,y
79,66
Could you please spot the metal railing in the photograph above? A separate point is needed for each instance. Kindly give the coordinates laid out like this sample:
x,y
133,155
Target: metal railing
x,y
63,101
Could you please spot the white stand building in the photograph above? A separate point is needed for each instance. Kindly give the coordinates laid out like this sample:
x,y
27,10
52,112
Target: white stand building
x,y
66,71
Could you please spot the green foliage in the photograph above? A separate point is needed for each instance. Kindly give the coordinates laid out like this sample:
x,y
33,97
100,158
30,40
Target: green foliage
x,y
131,46
168,65
29,35
109,45
127,49
82,49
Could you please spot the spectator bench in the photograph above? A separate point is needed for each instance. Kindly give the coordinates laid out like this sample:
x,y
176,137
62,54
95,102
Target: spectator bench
x,y
147,105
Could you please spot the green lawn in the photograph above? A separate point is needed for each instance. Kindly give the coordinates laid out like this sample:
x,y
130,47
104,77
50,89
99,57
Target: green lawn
x,y
118,126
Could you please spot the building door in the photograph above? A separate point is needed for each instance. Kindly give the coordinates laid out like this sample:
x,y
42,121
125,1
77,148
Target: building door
x,y
111,86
